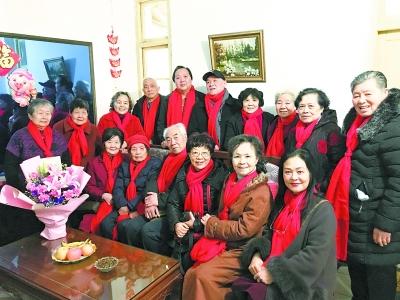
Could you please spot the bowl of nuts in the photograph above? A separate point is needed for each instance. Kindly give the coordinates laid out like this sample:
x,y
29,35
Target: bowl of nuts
x,y
106,264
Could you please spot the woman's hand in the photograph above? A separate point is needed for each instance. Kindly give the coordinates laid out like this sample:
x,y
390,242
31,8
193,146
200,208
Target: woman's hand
x,y
107,197
123,210
204,219
263,276
181,229
256,264
380,237
133,214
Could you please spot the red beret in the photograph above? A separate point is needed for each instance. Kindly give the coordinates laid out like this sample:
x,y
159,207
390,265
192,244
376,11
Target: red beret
x,y
136,139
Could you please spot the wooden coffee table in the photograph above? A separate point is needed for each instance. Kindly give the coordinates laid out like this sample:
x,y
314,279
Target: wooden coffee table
x,y
26,267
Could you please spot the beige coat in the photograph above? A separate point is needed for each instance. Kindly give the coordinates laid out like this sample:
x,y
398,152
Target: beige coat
x,y
247,216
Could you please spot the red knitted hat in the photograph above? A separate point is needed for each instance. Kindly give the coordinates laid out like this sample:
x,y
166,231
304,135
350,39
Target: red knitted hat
x,y
136,139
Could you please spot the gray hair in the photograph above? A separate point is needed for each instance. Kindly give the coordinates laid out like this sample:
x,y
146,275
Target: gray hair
x,y
379,77
181,128
35,103
285,92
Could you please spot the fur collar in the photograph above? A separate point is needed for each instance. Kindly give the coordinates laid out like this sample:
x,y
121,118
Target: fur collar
x,y
261,178
386,111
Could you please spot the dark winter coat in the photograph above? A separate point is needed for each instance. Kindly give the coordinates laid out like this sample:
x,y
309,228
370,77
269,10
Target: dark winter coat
x,y
212,187
162,119
124,178
199,121
375,170
138,112
235,124
307,268
326,145
271,130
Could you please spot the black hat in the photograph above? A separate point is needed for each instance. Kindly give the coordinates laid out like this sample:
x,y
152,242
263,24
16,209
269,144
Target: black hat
x,y
214,73
49,83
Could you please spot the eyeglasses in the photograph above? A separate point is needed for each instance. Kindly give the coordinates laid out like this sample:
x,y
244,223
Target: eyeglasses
x,y
196,154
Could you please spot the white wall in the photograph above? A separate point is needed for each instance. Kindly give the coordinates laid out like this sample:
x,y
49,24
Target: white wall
x,y
308,43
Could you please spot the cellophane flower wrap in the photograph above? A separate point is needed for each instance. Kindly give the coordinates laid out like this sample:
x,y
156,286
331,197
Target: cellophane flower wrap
x,y
53,192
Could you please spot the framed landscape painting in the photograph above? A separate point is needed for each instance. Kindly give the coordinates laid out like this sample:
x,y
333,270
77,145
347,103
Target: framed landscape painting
x,y
239,56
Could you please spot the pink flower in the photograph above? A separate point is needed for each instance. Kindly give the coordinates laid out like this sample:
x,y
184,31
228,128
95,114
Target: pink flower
x,y
44,197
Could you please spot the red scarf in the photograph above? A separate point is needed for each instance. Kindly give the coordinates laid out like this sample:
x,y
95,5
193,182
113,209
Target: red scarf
x,y
111,163
43,139
194,197
134,170
77,144
287,225
169,169
303,132
276,145
205,248
213,104
339,188
122,125
177,114
149,116
253,124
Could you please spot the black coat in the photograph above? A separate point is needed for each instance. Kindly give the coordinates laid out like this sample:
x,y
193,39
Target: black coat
x,y
234,126
271,130
307,268
123,179
138,112
199,120
375,170
212,187
326,145
162,119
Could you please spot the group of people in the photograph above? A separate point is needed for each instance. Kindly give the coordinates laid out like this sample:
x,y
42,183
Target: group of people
x,y
338,192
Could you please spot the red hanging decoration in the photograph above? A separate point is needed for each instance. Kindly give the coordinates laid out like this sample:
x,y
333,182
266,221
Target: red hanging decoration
x,y
115,61
8,59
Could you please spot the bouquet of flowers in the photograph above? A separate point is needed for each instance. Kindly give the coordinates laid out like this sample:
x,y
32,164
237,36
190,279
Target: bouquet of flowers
x,y
52,192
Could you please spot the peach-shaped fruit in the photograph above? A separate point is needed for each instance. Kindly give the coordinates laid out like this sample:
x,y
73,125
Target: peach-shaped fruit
x,y
61,253
74,253
87,249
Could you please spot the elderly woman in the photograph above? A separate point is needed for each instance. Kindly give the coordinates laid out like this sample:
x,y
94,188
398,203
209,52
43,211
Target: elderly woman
x,y
126,220
103,171
280,127
295,258
120,116
81,135
36,139
251,120
243,210
195,193
178,108
365,186
318,132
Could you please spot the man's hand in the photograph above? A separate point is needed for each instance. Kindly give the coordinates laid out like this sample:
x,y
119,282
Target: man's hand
x,y
123,210
151,199
264,276
181,229
151,212
204,219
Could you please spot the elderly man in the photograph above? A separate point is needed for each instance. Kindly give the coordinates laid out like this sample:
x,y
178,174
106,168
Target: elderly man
x,y
147,109
218,106
155,234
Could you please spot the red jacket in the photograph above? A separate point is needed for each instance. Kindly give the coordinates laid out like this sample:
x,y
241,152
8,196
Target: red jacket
x,y
91,134
107,121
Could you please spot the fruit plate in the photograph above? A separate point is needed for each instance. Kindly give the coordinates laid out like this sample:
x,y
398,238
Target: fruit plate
x,y
70,246
70,261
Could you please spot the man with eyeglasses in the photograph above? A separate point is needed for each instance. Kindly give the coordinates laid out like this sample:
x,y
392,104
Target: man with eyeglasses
x,y
155,234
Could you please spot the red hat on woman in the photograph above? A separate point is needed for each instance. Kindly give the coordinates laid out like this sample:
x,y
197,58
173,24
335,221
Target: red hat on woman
x,y
136,139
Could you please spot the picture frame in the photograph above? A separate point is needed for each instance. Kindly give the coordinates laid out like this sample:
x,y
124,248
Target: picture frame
x,y
239,56
55,67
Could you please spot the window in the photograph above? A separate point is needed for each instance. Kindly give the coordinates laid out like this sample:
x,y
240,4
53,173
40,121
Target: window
x,y
153,43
